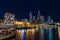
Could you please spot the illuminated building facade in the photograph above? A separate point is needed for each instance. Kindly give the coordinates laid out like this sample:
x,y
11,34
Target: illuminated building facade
x,y
9,18
38,17
30,17
42,20
49,20
34,19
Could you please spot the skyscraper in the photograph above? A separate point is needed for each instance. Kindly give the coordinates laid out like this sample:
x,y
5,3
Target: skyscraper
x,y
38,15
33,19
52,21
49,20
42,20
30,16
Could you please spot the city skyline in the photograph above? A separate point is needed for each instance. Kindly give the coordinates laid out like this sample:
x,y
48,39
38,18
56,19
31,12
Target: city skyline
x,y
32,19
21,8
29,20
32,16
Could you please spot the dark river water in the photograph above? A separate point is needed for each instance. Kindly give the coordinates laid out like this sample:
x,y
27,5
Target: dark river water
x,y
37,34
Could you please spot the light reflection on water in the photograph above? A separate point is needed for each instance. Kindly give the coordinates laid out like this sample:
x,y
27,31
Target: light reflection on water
x,y
42,34
50,34
46,34
23,35
33,34
59,32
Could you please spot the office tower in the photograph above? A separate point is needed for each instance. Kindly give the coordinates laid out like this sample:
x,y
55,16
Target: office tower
x,y
49,20
42,20
30,17
38,17
52,21
33,19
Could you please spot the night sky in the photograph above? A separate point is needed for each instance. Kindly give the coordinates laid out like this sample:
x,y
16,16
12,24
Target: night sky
x,y
21,8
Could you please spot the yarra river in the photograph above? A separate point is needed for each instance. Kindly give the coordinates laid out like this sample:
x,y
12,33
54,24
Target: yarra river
x,y
36,34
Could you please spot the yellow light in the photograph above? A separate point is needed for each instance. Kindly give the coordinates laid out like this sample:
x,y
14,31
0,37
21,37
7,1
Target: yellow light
x,y
19,23
27,23
59,32
33,31
19,33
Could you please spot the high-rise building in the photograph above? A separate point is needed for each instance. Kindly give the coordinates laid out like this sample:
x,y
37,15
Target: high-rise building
x,y
42,20
38,15
49,20
33,19
52,21
30,16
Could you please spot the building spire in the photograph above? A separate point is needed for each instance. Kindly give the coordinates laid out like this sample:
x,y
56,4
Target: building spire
x,y
30,16
38,15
